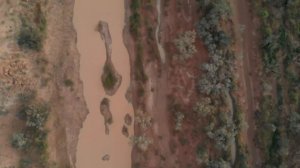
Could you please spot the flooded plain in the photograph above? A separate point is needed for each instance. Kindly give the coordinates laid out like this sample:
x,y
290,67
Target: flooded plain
x,y
93,142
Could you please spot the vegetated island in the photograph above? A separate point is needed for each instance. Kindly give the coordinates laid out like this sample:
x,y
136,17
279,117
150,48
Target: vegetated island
x,y
110,78
105,111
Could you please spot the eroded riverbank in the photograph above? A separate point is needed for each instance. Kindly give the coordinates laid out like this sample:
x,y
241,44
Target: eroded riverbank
x,y
93,142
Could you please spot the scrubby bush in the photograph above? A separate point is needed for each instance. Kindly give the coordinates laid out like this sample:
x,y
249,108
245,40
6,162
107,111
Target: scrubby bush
x,y
209,26
135,18
140,74
19,141
33,137
36,115
68,83
32,30
203,3
142,142
185,44
202,154
205,107
143,120
135,23
25,163
222,137
218,164
294,123
29,38
241,156
179,116
218,76
270,47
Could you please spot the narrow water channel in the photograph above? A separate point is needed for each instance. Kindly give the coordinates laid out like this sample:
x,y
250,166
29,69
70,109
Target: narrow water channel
x,y
93,142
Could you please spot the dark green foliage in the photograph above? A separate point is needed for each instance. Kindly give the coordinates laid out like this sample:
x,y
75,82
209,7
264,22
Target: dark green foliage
x,y
270,48
294,124
32,139
241,157
218,164
201,154
265,119
109,79
36,115
275,158
277,119
203,3
135,23
217,79
29,38
19,141
218,76
135,5
140,74
32,30
135,18
209,26
68,83
25,163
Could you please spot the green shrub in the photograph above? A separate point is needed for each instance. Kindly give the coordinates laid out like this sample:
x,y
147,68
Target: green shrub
x,y
27,96
135,5
185,44
218,164
140,74
241,156
135,18
19,141
32,30
294,124
69,83
36,115
29,38
109,79
33,137
135,23
25,163
264,13
202,154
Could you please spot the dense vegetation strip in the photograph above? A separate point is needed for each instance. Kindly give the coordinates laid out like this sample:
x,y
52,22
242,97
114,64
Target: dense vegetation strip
x,y
135,26
279,114
32,28
31,136
31,139
217,107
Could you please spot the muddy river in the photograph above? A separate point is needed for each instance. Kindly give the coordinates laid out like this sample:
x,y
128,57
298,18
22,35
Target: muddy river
x,y
93,142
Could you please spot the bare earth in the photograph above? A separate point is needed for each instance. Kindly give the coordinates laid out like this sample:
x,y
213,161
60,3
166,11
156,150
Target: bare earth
x,y
248,53
68,108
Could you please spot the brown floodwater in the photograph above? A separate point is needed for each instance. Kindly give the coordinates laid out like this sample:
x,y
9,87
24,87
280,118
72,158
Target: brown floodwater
x,y
93,142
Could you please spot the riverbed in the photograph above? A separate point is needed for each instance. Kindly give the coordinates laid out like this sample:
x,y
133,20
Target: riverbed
x,y
93,142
